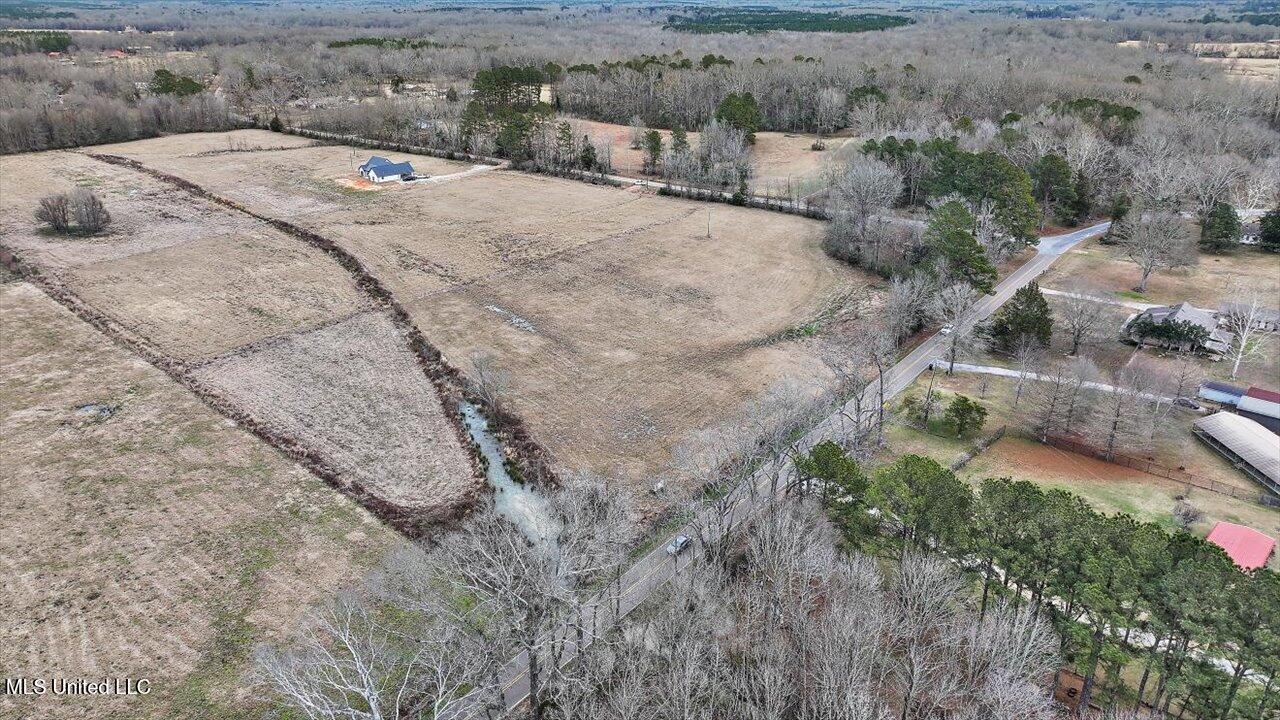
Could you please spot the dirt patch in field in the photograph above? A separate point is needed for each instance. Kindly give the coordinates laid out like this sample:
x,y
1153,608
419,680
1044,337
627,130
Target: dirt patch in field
x,y
1114,488
353,393
143,535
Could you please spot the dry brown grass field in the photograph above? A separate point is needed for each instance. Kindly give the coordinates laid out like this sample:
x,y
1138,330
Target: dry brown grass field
x,y
144,535
196,282
1204,285
623,328
332,387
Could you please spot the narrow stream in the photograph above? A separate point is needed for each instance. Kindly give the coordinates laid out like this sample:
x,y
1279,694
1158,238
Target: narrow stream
x,y
520,504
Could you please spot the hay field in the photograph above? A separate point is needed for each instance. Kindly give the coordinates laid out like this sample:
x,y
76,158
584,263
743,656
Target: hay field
x,y
196,282
332,386
624,330
142,534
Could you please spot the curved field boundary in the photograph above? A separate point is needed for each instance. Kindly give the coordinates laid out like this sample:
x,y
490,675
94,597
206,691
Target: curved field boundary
x,y
408,523
531,458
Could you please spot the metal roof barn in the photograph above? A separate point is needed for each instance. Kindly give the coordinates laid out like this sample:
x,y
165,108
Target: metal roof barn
x,y
1248,445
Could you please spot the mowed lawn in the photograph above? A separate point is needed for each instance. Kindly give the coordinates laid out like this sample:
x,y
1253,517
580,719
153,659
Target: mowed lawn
x,y
625,323
143,535
1109,487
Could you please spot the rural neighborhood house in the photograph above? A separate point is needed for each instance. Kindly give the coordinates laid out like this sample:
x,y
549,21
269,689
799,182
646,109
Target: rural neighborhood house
x,y
380,170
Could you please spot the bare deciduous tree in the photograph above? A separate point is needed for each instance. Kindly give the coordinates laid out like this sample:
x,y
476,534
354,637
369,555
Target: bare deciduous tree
x,y
860,190
1245,316
953,305
55,211
1081,314
347,666
90,214
1155,241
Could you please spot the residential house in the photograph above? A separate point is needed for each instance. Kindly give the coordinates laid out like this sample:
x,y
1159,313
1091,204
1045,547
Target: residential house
x,y
380,169
1219,340
1268,319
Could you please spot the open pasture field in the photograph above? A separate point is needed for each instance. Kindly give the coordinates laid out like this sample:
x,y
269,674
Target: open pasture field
x,y
142,534
278,175
782,160
1203,285
622,328
329,387
201,284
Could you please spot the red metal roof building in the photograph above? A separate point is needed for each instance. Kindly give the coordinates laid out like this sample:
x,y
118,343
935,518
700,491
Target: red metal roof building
x,y
1249,548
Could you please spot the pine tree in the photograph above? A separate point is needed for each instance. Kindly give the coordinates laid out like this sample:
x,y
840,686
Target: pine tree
x,y
1270,227
679,140
950,235
587,160
1220,229
1025,317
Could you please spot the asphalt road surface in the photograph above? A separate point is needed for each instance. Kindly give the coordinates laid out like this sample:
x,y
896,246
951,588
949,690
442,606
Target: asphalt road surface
x,y
655,569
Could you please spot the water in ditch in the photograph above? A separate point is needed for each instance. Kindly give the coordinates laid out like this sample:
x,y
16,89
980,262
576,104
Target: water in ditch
x,y
517,502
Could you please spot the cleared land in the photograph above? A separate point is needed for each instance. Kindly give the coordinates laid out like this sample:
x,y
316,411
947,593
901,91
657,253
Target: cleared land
x,y
194,282
623,329
329,387
143,535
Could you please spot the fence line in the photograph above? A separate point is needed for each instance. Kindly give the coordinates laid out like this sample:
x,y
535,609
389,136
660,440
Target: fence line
x,y
1151,467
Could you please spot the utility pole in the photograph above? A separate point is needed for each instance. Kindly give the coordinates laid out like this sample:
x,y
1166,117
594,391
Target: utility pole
x,y
708,223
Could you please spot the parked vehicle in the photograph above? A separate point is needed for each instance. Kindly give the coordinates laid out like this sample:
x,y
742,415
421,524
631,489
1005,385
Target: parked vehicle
x,y
947,329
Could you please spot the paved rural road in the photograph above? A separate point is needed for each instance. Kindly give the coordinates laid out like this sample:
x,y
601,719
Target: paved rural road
x,y
656,568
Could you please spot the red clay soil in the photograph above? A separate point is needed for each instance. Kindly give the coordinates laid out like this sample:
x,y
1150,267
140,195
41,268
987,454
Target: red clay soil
x,y
1029,459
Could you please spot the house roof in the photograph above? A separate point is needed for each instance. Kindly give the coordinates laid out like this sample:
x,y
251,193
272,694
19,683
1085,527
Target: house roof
x,y
1263,314
1247,547
1218,340
400,168
1185,312
1253,443
373,162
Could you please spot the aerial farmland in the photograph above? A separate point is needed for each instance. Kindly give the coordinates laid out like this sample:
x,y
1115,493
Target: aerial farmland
x,y
629,361
623,327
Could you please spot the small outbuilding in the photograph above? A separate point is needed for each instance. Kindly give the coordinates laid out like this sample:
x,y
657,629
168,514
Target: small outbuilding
x,y
1261,406
1249,446
1247,547
1220,392
380,169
